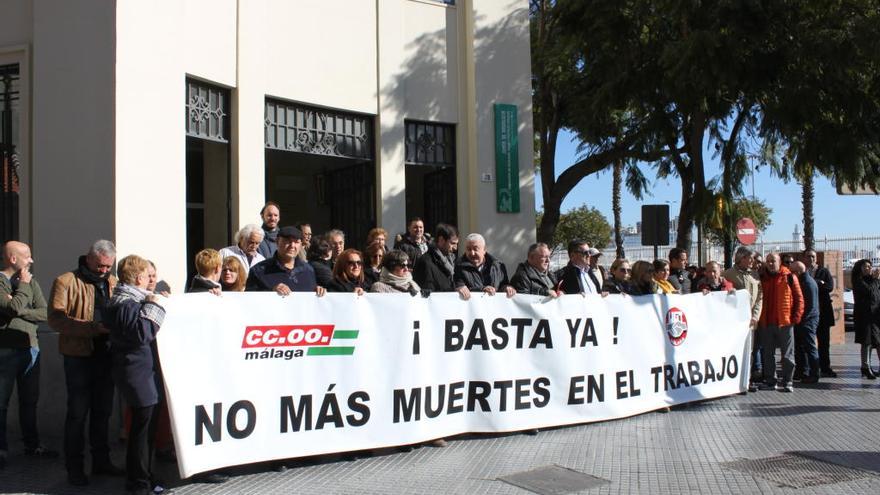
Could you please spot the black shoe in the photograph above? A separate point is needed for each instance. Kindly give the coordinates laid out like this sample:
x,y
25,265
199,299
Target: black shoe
x,y
2,461
809,380
829,373
279,467
107,469
212,478
77,478
42,452
868,373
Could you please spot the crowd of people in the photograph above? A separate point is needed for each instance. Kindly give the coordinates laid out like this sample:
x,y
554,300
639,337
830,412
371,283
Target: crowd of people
x,y
107,323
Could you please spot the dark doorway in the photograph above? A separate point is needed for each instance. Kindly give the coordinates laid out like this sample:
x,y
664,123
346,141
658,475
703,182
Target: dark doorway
x,y
208,170
320,169
430,173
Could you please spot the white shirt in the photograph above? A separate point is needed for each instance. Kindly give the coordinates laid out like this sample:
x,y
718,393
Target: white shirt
x,y
238,253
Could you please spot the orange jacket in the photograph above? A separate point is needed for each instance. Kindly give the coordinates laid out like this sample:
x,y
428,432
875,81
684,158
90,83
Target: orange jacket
x,y
783,300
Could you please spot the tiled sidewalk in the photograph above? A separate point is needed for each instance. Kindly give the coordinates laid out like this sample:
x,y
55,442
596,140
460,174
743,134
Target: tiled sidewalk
x,y
823,438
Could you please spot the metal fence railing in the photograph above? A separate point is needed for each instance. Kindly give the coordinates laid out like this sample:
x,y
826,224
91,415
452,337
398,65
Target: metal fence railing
x,y
852,247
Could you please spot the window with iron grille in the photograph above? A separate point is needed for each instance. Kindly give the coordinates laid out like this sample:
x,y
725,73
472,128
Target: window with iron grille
x,y
320,131
430,143
9,141
207,111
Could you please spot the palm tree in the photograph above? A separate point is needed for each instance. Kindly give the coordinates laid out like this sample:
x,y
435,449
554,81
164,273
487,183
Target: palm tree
x,y
616,208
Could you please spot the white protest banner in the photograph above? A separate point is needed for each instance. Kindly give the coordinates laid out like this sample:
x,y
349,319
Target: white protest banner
x,y
255,377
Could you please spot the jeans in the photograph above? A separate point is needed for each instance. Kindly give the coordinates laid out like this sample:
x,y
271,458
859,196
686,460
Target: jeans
x,y
139,451
13,363
89,394
805,333
783,338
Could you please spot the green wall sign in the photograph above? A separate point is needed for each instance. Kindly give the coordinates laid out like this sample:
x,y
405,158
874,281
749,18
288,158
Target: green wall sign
x,y
506,159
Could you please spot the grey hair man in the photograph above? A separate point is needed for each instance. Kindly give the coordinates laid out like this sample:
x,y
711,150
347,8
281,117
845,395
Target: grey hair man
x,y
479,271
78,305
247,244
533,275
742,277
336,238
22,308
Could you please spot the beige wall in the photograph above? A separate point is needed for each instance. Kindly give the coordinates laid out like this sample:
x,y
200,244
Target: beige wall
x,y
503,75
73,130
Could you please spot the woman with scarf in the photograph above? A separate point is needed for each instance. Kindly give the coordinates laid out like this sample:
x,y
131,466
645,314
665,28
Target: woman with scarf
x,y
396,275
134,319
866,312
661,277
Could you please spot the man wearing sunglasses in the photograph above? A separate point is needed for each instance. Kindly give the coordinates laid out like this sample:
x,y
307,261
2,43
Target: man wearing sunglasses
x,y
576,277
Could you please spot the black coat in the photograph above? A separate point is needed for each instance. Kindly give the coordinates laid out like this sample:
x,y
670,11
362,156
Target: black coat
x,y
338,285
614,286
527,280
467,275
408,246
323,271
866,310
267,274
431,274
826,286
569,278
135,367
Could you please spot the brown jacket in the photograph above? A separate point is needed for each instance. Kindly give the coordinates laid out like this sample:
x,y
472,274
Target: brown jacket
x,y
71,309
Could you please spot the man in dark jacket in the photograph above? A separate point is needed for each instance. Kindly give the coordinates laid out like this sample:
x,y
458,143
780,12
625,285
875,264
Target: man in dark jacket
x,y
271,216
284,272
533,275
576,277
415,241
678,274
807,360
433,271
825,283
477,270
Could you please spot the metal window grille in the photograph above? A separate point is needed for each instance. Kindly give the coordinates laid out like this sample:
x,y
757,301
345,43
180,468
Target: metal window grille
x,y
207,111
429,143
9,165
320,131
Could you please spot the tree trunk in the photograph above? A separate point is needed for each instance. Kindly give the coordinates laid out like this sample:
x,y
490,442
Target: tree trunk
x,y
616,207
684,236
807,196
547,229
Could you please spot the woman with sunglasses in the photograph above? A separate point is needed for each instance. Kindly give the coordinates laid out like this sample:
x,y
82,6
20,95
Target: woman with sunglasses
x,y
866,312
642,279
618,282
348,273
396,275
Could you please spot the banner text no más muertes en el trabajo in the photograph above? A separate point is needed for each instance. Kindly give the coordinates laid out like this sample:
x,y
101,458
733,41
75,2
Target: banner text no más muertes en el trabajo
x,y
253,376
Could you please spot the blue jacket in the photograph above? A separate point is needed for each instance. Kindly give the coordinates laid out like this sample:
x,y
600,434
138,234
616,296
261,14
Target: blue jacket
x,y
265,275
810,289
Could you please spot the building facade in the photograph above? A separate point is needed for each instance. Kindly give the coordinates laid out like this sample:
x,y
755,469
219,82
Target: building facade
x,y
165,125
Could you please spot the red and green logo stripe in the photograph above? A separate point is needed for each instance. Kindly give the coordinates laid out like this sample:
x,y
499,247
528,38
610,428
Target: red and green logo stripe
x,y
340,344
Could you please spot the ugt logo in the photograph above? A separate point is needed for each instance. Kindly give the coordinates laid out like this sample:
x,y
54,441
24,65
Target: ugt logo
x,y
676,326
290,341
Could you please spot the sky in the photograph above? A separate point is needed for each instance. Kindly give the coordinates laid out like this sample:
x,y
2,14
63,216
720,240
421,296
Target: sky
x,y
835,215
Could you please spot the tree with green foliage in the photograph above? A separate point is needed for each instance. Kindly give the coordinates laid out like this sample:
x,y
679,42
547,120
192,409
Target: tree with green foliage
x,y
585,223
757,210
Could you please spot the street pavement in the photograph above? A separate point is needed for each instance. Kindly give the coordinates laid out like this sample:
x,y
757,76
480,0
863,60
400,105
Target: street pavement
x,y
823,438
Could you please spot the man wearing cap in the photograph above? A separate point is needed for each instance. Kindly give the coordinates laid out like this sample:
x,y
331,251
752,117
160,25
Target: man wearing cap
x,y
284,272
576,276
597,272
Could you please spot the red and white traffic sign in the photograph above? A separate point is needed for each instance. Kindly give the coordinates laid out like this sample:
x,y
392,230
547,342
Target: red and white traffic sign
x,y
746,231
